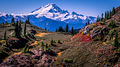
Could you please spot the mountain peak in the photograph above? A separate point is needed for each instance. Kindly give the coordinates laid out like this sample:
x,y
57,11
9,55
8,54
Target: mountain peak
x,y
51,7
51,4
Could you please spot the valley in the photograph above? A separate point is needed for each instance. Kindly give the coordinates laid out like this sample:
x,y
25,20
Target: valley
x,y
53,37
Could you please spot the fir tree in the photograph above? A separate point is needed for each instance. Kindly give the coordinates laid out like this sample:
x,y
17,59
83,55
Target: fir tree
x,y
102,17
28,21
98,18
5,37
113,11
112,24
13,21
26,49
17,29
45,28
88,21
25,29
60,29
56,30
116,43
86,24
72,31
6,22
3,23
52,42
20,28
67,28
59,42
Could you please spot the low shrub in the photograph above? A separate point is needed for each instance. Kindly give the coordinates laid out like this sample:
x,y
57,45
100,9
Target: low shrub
x,y
68,60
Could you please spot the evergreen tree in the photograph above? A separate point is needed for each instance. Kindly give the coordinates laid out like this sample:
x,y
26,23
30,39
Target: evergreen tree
x,y
88,21
86,24
67,28
112,24
113,11
6,22
102,17
26,49
5,37
45,28
72,31
61,29
20,28
107,16
59,42
17,29
56,30
28,20
52,42
3,23
25,29
98,18
110,14
116,43
13,21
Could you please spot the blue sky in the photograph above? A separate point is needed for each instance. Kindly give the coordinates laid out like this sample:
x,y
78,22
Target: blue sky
x,y
86,7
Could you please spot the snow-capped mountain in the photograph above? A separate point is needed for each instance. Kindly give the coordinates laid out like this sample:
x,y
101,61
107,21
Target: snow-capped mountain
x,y
51,17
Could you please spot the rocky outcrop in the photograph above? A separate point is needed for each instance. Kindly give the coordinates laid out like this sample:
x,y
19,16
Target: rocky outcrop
x,y
42,58
14,42
20,60
35,58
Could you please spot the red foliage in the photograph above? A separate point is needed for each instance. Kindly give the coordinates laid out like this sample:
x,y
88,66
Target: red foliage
x,y
13,38
75,36
98,24
82,38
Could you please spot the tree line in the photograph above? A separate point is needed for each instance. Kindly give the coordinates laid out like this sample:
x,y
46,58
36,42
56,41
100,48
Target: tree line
x,y
61,29
18,28
107,15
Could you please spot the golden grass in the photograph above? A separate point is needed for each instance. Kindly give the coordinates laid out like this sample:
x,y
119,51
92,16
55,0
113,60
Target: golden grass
x,y
41,34
2,41
35,43
17,53
59,53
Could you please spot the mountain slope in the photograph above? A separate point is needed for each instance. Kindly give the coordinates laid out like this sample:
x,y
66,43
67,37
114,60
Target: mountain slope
x,y
96,45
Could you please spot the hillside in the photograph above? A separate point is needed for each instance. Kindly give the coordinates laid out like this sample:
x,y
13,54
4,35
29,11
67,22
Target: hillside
x,y
96,45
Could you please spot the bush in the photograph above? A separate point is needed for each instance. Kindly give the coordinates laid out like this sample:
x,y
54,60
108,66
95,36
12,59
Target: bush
x,y
116,43
112,24
97,38
51,42
2,55
25,49
67,60
35,61
59,42
46,48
